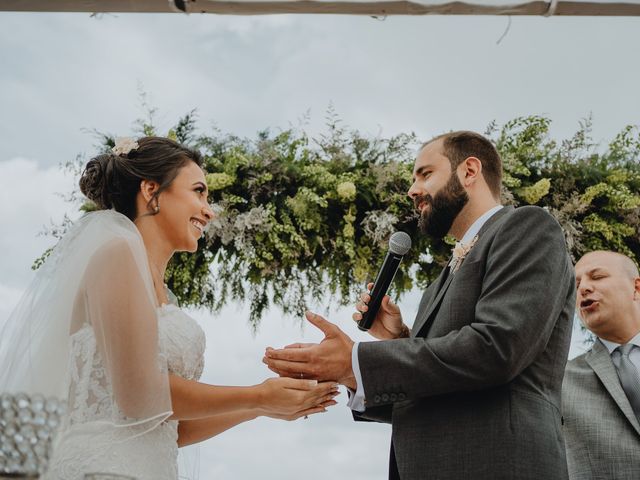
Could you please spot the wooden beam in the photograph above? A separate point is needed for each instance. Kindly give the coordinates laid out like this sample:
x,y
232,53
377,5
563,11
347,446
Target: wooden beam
x,y
382,8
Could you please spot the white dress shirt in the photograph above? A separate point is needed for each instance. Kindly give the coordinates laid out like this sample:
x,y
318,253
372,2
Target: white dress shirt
x,y
357,400
634,356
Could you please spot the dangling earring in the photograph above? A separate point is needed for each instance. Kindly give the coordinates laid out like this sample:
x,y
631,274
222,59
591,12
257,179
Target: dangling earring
x,y
156,209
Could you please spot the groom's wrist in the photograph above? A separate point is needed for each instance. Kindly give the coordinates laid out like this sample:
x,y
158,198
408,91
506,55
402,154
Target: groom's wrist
x,y
350,382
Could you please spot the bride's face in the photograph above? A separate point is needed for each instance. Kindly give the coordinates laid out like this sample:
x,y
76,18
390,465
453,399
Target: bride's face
x,y
184,210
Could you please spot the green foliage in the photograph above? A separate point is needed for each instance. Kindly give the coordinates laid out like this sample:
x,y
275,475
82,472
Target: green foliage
x,y
301,220
295,220
532,194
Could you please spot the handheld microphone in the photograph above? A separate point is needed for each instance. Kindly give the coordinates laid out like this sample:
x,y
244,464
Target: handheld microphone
x,y
399,245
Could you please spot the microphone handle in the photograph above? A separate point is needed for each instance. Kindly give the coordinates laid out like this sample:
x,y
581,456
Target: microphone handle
x,y
379,290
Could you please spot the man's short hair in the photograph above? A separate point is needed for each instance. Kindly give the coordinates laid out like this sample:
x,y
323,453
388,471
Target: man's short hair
x,y
460,145
631,267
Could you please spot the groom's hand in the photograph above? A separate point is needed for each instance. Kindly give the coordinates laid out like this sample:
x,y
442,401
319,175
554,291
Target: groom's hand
x,y
388,322
328,360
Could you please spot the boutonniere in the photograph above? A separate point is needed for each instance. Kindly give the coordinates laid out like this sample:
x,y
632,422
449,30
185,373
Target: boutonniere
x,y
460,251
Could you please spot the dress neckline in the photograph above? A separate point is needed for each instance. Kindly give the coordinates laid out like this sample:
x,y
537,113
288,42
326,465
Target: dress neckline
x,y
167,308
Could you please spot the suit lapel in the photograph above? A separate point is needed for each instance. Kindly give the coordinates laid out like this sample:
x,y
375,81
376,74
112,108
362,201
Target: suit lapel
x,y
600,361
431,308
423,319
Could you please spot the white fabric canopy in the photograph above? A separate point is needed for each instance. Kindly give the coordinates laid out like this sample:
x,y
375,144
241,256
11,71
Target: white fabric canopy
x,y
357,7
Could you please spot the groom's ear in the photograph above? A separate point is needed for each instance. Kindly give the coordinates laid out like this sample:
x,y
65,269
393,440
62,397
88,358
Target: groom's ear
x,y
469,171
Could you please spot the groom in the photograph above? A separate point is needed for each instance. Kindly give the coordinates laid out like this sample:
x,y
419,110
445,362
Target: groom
x,y
473,390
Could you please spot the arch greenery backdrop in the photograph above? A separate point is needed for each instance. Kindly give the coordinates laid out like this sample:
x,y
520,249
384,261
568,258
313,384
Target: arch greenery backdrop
x,y
307,219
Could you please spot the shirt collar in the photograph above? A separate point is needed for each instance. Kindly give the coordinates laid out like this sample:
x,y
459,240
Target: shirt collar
x,y
477,225
611,346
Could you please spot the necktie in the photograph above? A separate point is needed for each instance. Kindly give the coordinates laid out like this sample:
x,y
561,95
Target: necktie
x,y
628,374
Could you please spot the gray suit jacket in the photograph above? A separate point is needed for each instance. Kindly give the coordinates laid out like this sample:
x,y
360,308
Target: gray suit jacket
x,y
602,433
475,393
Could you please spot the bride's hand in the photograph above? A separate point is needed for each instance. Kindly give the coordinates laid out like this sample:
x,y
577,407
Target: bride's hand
x,y
292,397
305,413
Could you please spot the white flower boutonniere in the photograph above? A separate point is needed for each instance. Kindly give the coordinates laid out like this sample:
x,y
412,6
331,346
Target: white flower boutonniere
x,y
460,251
124,145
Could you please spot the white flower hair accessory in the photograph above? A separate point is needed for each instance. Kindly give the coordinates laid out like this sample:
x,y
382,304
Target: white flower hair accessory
x,y
124,145
460,251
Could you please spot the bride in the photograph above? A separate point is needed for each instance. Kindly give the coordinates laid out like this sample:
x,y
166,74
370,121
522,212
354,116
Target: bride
x,y
97,327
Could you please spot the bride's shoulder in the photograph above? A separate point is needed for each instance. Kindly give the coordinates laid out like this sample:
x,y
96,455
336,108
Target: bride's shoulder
x,y
115,254
117,263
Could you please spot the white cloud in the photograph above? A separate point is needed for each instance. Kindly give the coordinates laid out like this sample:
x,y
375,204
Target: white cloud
x,y
8,299
65,73
29,201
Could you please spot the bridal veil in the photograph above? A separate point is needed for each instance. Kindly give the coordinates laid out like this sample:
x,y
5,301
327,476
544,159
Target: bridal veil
x,y
96,279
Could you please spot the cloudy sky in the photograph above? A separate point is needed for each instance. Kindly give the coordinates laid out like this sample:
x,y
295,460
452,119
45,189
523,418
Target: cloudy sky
x,y
63,75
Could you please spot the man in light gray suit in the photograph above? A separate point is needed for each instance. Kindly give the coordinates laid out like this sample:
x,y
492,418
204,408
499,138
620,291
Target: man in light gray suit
x,y
601,390
473,390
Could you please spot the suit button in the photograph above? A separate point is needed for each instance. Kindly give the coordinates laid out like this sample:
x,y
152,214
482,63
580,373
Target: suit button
x,y
394,397
401,396
385,397
376,399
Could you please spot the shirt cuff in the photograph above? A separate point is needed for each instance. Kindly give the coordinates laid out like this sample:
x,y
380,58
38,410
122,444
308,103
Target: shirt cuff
x,y
356,399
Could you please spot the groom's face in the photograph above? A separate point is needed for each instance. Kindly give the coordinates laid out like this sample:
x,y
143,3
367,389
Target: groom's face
x,y
436,192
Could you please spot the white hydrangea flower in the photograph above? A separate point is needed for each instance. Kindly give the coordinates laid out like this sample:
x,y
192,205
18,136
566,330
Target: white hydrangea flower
x,y
378,225
346,191
239,228
124,145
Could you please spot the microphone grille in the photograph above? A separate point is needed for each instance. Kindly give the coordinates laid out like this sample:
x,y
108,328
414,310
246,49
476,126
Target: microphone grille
x,y
399,243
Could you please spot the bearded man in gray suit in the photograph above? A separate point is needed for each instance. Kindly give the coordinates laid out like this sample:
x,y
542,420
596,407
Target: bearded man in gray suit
x,y
601,391
473,389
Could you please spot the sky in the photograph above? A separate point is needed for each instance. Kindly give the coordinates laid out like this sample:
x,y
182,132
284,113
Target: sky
x,y
64,75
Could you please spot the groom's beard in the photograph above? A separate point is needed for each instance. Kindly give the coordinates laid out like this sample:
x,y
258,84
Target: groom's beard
x,y
443,209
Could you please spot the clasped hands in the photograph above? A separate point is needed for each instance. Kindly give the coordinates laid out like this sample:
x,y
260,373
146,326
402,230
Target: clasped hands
x,y
330,360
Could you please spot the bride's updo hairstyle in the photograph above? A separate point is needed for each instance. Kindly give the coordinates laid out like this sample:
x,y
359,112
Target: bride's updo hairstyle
x,y
112,180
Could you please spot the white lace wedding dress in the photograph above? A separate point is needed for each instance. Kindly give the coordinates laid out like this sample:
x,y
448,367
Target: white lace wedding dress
x,y
88,442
